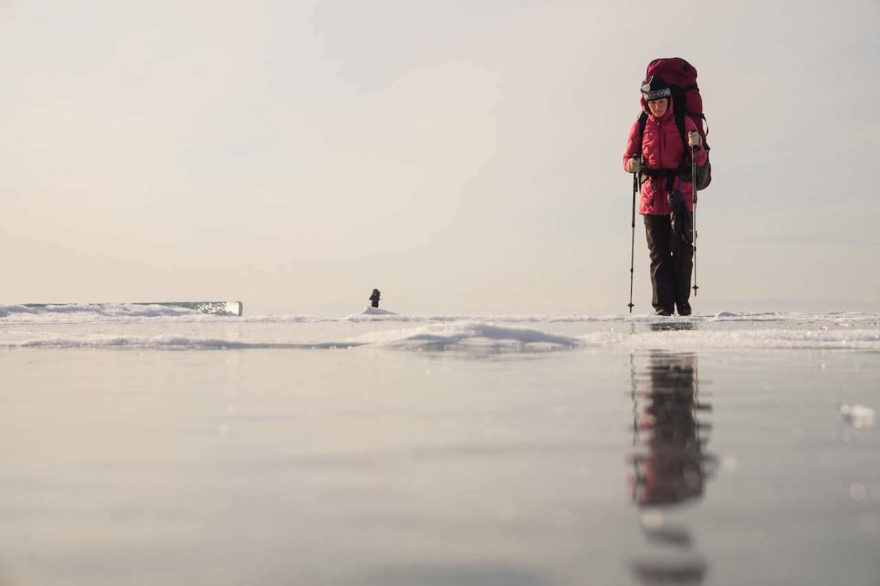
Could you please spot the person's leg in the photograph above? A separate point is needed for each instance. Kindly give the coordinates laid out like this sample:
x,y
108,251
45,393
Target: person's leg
x,y
658,232
682,267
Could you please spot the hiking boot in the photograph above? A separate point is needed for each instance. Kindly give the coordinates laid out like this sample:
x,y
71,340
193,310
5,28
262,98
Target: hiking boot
x,y
662,312
683,308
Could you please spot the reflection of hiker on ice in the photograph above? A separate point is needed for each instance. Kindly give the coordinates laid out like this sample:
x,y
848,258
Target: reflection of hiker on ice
x,y
374,298
659,150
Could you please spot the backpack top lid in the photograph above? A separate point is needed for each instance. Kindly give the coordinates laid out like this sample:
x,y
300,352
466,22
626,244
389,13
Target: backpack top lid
x,y
674,71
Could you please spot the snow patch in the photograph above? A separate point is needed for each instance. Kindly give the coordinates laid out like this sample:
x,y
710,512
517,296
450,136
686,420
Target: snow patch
x,y
96,342
98,312
370,310
469,335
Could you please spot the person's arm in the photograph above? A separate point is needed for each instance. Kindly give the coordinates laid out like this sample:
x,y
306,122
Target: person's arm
x,y
633,147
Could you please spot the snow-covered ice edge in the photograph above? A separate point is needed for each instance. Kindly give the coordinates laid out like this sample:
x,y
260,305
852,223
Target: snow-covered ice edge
x,y
471,335
122,312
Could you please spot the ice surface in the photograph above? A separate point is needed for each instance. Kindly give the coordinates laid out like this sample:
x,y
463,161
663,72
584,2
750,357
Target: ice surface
x,y
379,449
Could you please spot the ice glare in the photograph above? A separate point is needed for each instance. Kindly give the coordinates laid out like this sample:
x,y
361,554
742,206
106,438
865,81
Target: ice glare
x,y
858,416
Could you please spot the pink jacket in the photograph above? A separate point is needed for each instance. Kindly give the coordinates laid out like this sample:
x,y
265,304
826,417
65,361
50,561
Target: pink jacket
x,y
662,148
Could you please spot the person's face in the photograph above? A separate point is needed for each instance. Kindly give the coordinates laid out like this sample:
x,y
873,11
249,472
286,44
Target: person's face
x,y
658,107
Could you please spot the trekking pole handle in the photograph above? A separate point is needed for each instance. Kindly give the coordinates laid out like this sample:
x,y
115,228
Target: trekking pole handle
x,y
638,159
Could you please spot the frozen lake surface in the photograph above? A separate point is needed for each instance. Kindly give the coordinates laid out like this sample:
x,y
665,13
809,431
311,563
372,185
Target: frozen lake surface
x,y
155,446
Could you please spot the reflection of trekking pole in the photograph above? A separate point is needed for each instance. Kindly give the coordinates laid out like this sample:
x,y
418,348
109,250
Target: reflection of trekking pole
x,y
632,250
694,218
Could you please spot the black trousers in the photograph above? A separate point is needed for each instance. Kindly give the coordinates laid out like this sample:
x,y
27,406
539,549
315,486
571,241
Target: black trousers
x,y
671,262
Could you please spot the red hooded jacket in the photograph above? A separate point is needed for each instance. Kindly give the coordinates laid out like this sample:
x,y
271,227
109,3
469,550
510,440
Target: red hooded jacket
x,y
662,148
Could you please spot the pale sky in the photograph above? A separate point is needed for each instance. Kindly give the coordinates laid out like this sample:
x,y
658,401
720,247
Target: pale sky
x,y
460,155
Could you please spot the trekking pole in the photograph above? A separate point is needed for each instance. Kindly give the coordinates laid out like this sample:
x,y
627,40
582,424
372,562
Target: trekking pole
x,y
632,250
694,213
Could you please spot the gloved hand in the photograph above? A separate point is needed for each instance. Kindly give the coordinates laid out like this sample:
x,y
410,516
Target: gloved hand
x,y
634,165
694,139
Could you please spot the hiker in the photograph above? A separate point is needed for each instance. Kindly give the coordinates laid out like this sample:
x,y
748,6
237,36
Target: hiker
x,y
374,298
661,158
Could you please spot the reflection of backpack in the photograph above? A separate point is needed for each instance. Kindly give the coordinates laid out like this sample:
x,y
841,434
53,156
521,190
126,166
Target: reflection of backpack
x,y
682,79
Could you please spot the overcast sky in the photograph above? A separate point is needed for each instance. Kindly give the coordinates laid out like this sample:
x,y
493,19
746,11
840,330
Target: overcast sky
x,y
460,155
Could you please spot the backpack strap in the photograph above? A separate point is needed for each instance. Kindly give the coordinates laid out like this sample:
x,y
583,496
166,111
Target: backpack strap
x,y
682,132
702,117
643,120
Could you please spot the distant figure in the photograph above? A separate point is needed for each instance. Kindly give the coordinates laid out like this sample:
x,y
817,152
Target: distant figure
x,y
375,297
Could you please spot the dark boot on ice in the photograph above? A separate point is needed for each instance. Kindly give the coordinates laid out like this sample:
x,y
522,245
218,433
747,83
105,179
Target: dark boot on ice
x,y
662,312
684,308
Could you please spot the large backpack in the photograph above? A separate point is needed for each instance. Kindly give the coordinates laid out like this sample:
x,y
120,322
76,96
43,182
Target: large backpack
x,y
682,79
